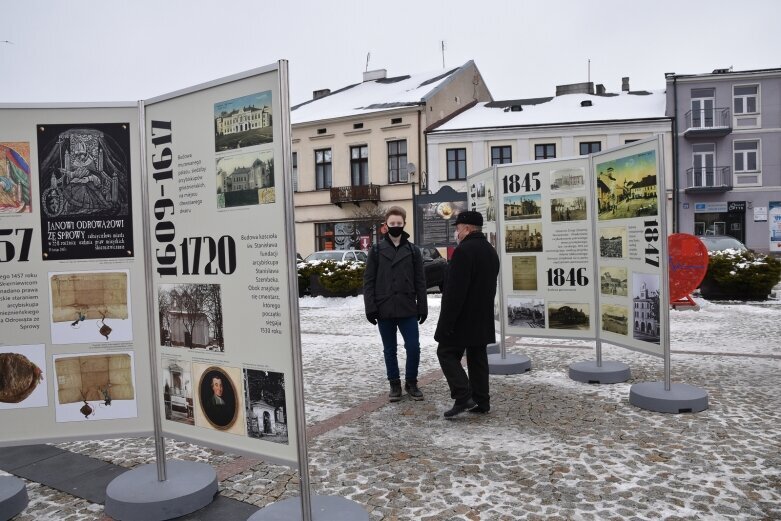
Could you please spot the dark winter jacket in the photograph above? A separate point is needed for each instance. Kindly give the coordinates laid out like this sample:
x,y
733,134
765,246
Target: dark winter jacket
x,y
467,314
394,284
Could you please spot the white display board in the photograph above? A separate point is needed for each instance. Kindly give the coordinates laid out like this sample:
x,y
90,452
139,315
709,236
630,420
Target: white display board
x,y
220,271
73,350
581,248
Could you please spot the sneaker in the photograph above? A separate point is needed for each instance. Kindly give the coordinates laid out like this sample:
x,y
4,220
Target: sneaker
x,y
412,390
458,408
480,409
395,391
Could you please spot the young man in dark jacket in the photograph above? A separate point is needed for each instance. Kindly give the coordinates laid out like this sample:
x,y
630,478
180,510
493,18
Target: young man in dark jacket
x,y
466,320
394,293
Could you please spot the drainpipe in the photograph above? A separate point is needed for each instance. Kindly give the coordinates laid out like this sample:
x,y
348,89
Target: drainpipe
x,y
676,217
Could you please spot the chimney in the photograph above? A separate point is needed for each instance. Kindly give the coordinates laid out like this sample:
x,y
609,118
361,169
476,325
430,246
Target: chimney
x,y
600,89
575,88
379,74
322,93
625,84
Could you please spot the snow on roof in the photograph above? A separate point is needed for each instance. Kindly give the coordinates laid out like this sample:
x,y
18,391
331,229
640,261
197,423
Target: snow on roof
x,y
372,96
561,109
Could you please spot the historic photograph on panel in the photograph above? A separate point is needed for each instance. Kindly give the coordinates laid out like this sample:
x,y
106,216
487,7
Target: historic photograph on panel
x,y
190,316
520,238
525,312
568,179
15,191
220,398
95,387
90,306
568,209
612,242
266,411
23,377
626,187
525,273
178,390
245,179
519,207
568,315
615,319
613,280
645,290
243,122
84,176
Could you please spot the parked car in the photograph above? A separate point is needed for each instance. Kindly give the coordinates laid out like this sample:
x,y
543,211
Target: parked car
x,y
337,255
722,242
434,265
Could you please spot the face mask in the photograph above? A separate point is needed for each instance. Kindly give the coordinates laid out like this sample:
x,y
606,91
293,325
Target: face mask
x,y
455,237
395,231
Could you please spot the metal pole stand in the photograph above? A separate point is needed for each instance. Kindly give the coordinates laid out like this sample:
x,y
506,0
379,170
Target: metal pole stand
x,y
590,372
13,497
679,398
507,364
138,494
324,508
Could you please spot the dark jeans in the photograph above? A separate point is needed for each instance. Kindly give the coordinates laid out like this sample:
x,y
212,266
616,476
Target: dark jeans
x,y
409,331
461,386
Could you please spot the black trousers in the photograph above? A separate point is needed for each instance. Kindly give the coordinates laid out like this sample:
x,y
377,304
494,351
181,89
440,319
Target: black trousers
x,y
461,386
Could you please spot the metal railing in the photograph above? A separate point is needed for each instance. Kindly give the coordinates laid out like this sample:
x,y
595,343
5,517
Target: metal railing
x,y
704,119
709,179
355,194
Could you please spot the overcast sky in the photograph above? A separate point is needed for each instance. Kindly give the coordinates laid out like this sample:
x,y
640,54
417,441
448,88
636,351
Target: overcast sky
x,y
117,50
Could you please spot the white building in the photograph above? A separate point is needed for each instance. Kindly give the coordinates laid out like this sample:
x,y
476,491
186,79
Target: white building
x,y
243,119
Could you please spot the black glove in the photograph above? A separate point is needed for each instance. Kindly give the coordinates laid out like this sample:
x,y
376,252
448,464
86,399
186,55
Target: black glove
x,y
422,318
372,317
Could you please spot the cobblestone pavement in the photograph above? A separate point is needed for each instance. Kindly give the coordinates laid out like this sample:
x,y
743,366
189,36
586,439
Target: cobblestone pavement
x,y
550,448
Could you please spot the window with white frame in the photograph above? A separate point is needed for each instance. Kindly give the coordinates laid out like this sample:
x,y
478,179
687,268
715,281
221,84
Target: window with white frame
x,y
703,165
746,99
397,161
746,164
703,105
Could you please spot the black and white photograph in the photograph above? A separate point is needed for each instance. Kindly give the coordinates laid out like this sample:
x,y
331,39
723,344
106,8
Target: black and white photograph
x,y
190,316
645,319
568,179
245,179
568,209
178,390
568,315
615,319
521,238
243,122
266,409
526,312
524,273
626,187
613,280
220,398
84,177
612,242
520,207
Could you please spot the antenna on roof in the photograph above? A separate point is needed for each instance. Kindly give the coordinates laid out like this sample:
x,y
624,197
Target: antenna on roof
x,y
589,70
443,53
368,55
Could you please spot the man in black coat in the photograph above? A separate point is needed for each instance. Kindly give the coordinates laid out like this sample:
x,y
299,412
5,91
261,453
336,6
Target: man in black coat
x,y
394,293
466,320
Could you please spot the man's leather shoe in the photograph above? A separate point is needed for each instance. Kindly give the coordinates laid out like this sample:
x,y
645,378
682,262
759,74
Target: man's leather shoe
x,y
458,408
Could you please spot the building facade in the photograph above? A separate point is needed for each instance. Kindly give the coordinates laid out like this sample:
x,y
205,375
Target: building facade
x,y
728,152
358,151
579,120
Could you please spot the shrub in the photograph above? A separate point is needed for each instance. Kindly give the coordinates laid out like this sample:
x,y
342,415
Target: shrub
x,y
344,277
740,275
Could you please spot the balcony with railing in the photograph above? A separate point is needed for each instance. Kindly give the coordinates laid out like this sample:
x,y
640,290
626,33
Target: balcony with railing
x,y
710,179
355,194
715,122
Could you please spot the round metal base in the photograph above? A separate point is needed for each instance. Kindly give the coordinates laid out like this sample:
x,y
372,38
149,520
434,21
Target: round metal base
x,y
609,373
324,508
137,495
513,364
493,349
680,398
13,497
